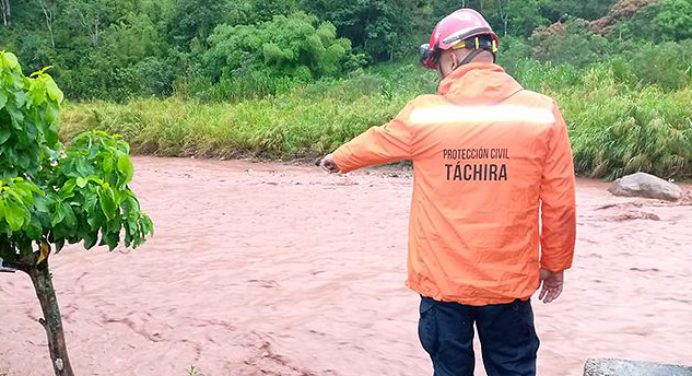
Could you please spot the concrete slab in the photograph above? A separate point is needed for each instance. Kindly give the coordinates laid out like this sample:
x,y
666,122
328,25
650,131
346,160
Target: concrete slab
x,y
616,367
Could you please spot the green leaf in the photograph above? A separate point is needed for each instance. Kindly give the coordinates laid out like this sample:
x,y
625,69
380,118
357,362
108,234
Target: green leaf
x,y
23,191
38,93
20,98
126,168
67,189
35,230
70,218
11,60
83,168
3,99
108,166
112,239
90,239
147,225
14,215
17,117
107,201
5,133
51,133
82,182
52,113
30,131
95,220
41,204
59,214
53,91
133,210
90,202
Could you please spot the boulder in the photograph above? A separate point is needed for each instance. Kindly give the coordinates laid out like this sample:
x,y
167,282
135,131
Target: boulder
x,y
647,186
614,367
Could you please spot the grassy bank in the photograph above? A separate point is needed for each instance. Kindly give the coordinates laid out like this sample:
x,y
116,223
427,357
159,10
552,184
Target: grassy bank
x,y
616,127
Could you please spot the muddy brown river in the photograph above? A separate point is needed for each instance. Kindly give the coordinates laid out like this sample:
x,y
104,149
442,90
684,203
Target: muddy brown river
x,y
272,269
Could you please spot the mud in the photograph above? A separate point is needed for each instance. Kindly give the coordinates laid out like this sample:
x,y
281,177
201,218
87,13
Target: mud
x,y
269,269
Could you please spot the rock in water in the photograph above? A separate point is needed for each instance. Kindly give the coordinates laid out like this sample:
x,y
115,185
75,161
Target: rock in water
x,y
614,367
647,186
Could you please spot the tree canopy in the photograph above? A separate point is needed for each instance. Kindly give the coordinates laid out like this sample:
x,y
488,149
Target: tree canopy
x,y
114,50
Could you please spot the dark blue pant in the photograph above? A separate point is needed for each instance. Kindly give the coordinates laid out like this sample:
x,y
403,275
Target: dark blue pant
x,y
508,338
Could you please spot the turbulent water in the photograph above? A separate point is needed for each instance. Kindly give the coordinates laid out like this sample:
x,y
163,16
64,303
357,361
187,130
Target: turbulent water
x,y
268,269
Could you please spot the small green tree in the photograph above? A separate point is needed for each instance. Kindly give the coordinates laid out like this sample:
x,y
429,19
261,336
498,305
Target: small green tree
x,y
50,195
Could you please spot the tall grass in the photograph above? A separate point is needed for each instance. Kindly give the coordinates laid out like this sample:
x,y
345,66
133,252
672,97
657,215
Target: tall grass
x,y
617,131
308,121
616,126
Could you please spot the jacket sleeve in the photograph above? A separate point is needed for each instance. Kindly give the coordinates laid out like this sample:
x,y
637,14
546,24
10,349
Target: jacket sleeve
x,y
558,212
387,143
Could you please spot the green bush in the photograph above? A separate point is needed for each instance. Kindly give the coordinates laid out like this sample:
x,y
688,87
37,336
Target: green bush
x,y
665,20
569,43
666,65
251,60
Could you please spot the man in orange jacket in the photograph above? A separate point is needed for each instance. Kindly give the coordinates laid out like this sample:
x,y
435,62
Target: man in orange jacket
x,y
492,162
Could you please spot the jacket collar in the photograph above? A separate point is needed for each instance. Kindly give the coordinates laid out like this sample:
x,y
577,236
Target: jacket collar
x,y
478,82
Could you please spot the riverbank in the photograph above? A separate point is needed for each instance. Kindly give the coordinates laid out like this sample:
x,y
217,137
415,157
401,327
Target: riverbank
x,y
616,128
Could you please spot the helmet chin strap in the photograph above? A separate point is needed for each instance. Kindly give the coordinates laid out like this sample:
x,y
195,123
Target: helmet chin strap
x,y
472,55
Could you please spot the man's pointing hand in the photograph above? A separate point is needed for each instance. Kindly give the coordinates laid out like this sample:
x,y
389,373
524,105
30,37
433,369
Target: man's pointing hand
x,y
329,165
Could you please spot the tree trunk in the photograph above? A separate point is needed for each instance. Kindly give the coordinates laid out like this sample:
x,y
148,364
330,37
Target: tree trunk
x,y
52,323
504,14
6,14
49,22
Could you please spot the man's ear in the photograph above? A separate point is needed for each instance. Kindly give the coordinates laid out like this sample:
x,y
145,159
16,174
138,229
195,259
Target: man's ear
x,y
455,62
440,63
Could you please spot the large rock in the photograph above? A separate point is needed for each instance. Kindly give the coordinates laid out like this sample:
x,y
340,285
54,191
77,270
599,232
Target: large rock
x,y
614,367
647,186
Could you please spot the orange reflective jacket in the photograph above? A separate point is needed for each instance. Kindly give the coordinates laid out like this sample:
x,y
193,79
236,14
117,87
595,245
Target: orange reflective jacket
x,y
488,157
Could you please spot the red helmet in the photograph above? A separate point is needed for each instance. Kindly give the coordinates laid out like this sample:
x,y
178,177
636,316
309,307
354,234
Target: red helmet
x,y
459,26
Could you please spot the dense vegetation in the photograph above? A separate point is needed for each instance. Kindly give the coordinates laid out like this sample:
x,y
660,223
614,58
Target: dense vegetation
x,y
294,78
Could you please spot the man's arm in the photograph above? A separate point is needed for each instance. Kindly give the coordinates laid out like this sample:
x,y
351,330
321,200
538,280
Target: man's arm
x,y
388,143
558,213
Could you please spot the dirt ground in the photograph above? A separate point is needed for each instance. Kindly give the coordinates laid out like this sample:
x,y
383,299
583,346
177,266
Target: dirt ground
x,y
269,269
